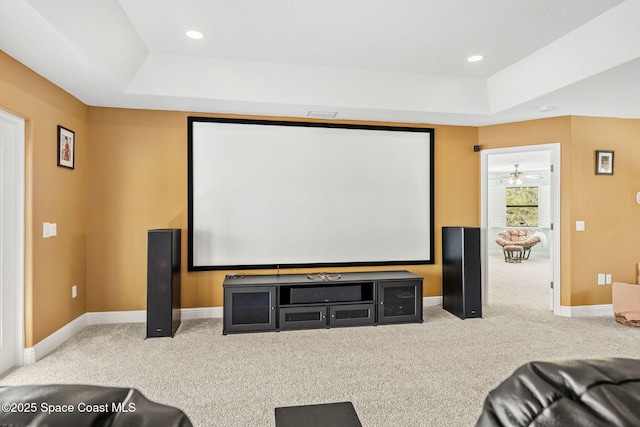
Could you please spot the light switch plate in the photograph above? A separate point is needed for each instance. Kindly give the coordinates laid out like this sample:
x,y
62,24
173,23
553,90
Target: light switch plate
x,y
579,225
53,229
46,230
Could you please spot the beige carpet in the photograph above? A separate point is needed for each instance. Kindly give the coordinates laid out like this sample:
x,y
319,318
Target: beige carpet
x,y
432,374
526,283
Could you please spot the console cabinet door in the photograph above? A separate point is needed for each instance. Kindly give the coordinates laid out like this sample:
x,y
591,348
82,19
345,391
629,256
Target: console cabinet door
x,y
303,317
352,315
249,308
400,301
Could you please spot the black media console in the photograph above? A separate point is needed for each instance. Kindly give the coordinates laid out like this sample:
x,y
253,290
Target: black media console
x,y
299,301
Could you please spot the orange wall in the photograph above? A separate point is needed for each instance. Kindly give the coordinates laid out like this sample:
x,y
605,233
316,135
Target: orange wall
x,y
138,181
130,176
606,203
534,132
53,194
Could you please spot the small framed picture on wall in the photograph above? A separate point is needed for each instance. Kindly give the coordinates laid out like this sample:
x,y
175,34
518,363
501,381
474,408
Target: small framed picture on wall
x,y
604,162
66,147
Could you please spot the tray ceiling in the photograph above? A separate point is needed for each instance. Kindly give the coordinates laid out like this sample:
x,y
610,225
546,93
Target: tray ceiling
x,y
361,59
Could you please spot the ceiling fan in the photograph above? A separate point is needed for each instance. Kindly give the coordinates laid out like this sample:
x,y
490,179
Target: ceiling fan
x,y
516,176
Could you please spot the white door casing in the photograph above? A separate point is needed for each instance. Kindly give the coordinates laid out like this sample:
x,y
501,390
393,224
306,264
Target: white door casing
x,y
554,238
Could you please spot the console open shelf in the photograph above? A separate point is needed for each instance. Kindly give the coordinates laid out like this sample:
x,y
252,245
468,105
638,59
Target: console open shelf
x,y
295,301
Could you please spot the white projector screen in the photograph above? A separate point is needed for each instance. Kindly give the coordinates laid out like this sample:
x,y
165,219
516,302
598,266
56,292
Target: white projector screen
x,y
268,194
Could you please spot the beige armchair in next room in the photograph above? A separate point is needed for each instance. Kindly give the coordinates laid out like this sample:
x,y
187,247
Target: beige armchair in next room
x,y
526,238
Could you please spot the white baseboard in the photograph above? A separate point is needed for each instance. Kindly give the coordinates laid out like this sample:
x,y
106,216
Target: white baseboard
x,y
53,341
31,355
109,317
431,301
201,313
140,316
597,310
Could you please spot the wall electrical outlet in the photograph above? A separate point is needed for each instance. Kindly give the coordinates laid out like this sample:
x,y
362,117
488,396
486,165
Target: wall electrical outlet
x,y
607,279
74,291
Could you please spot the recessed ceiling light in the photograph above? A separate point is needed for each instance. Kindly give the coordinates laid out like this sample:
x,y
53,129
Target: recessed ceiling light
x,y
545,108
475,58
194,34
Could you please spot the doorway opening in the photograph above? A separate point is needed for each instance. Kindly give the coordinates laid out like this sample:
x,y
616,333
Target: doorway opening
x,y
521,198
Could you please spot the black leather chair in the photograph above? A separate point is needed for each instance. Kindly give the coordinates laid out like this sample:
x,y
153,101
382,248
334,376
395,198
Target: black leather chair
x,y
84,406
581,393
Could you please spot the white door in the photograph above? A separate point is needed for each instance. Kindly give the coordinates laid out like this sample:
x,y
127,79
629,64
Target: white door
x,y
11,240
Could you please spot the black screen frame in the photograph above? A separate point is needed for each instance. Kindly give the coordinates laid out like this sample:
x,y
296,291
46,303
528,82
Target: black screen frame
x,y
191,120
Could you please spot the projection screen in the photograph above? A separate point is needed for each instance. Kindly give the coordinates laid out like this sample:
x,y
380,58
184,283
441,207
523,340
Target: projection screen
x,y
269,194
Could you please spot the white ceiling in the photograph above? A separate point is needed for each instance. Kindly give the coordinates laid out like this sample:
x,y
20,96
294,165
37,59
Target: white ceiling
x,y
401,60
527,161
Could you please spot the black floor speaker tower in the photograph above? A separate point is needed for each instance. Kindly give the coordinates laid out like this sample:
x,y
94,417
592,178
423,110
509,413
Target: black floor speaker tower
x,y
461,278
163,282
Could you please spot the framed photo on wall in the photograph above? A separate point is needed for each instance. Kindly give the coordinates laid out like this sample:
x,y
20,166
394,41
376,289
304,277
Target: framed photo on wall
x,y
604,162
66,147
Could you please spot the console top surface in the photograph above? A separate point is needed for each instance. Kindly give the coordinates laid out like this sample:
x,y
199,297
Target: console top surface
x,y
303,279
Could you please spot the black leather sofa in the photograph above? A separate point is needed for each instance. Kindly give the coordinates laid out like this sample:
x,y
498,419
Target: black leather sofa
x,y
84,406
581,393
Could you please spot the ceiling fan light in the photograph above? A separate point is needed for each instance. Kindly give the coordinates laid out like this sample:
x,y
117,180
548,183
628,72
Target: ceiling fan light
x,y
193,34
